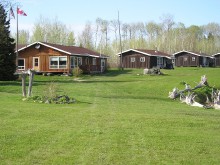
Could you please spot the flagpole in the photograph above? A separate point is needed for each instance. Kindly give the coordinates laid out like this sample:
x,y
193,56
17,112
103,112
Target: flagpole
x,y
119,29
17,39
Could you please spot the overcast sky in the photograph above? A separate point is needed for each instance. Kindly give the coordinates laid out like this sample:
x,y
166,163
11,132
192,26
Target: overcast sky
x,y
76,13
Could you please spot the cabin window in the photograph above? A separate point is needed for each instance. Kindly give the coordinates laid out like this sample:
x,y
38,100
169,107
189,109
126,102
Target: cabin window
x,y
193,59
62,62
185,59
75,61
87,61
160,61
58,62
21,64
72,59
94,61
132,59
142,59
36,61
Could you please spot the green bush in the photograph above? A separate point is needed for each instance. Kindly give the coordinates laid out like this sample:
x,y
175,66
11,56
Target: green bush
x,y
77,71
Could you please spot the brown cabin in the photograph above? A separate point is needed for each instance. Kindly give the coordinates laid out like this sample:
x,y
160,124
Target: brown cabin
x,y
143,58
192,59
53,58
216,59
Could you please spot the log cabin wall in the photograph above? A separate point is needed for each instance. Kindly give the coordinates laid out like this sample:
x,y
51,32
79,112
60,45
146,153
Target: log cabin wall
x,y
44,54
135,60
37,56
217,60
187,60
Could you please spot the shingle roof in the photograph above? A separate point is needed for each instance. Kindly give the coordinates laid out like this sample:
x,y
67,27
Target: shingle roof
x,y
192,52
153,52
215,54
71,50
149,52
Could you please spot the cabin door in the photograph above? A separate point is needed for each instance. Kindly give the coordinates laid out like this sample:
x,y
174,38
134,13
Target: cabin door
x,y
36,63
102,65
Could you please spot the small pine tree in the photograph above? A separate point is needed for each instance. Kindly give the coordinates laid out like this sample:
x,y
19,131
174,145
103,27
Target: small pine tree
x,y
7,49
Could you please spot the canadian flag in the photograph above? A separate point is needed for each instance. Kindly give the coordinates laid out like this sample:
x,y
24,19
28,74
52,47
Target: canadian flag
x,y
21,12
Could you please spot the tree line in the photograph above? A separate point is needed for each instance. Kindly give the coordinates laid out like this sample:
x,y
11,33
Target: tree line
x,y
103,36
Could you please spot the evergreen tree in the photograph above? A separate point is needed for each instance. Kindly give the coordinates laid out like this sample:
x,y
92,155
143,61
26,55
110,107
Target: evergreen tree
x,y
7,49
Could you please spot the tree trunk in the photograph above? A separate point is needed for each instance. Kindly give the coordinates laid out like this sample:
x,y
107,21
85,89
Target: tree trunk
x,y
31,77
23,76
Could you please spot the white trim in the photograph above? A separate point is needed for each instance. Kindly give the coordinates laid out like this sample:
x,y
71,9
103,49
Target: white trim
x,y
132,59
142,59
38,62
24,63
55,48
200,55
215,54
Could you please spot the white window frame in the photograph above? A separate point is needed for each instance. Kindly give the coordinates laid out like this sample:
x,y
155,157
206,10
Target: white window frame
x,y
132,59
142,59
58,66
37,61
193,58
21,67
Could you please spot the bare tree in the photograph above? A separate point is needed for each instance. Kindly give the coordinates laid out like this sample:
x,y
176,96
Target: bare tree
x,y
86,37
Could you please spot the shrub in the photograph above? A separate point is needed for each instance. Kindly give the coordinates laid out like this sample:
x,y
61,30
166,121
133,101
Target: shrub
x,y
50,90
77,71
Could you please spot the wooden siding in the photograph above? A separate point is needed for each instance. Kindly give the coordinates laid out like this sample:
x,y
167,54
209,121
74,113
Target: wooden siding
x,y
150,61
217,60
186,59
127,60
44,53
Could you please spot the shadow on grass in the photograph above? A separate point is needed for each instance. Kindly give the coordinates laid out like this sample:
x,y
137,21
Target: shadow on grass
x,y
113,73
10,83
137,98
44,80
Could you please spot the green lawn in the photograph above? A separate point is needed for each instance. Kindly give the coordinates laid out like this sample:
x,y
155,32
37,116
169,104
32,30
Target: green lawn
x,y
120,118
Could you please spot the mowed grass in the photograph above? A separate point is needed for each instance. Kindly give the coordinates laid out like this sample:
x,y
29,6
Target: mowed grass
x,y
120,118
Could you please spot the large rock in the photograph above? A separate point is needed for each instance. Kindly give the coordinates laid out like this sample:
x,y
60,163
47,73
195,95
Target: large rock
x,y
153,70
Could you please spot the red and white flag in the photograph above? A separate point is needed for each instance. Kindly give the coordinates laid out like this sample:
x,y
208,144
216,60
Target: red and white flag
x,y
12,13
21,12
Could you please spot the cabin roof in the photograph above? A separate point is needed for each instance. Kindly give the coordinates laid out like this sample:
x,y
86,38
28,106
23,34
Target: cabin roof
x,y
71,50
148,52
194,53
215,54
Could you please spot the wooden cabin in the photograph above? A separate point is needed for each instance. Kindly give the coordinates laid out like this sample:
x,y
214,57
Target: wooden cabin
x,y
216,59
143,58
53,58
192,59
